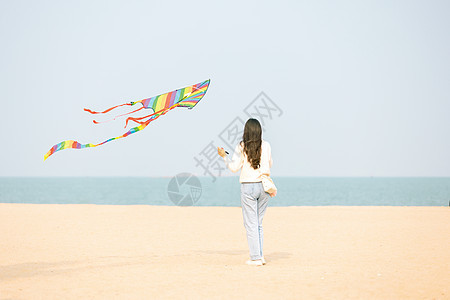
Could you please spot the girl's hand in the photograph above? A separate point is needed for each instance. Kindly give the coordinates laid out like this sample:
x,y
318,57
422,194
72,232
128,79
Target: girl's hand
x,y
273,194
221,151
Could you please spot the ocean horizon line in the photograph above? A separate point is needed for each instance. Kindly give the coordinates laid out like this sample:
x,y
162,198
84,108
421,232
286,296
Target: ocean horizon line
x,y
210,177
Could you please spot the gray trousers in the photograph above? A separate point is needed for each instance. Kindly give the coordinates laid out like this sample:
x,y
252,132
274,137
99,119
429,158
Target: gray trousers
x,y
254,201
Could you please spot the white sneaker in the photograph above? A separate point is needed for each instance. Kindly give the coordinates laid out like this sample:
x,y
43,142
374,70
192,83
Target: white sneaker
x,y
263,260
254,262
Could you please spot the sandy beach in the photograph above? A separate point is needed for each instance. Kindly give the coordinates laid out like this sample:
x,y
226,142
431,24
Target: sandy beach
x,y
157,252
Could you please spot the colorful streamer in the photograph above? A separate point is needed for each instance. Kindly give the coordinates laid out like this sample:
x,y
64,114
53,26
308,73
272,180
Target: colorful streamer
x,y
161,104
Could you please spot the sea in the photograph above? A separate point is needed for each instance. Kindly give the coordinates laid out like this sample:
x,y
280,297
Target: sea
x,y
189,190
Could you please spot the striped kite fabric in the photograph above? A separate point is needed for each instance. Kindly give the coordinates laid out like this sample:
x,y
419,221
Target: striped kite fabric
x,y
161,104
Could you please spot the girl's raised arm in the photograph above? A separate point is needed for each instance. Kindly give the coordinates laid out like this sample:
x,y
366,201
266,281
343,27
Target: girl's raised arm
x,y
236,163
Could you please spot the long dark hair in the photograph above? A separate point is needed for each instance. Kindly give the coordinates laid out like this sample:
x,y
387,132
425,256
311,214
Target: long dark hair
x,y
251,140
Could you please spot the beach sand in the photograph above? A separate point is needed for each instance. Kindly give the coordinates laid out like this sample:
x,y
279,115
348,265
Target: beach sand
x,y
156,252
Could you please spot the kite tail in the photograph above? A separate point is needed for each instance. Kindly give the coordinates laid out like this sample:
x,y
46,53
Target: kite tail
x,y
109,109
66,145
96,122
69,144
157,114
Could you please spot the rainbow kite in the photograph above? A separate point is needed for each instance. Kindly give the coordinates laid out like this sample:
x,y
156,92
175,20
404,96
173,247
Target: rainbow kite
x,y
161,104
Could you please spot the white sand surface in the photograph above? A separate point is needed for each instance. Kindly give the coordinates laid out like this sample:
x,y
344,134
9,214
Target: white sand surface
x,y
157,252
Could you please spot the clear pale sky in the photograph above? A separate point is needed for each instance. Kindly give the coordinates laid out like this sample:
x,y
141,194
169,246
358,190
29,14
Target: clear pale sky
x,y
364,86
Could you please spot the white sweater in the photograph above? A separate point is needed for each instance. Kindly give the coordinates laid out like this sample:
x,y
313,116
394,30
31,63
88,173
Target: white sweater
x,y
240,162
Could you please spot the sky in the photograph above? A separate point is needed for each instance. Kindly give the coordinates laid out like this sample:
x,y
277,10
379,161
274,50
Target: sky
x,y
351,88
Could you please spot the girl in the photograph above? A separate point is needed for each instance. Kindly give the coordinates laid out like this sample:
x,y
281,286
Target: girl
x,y
253,158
